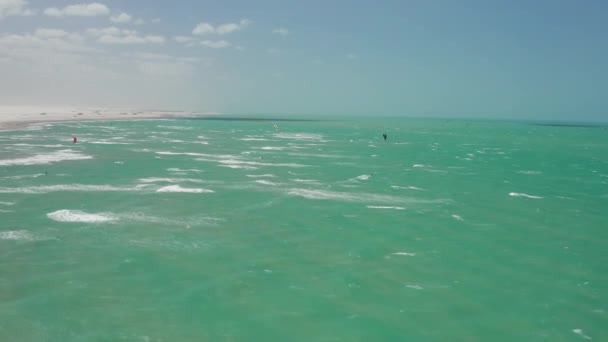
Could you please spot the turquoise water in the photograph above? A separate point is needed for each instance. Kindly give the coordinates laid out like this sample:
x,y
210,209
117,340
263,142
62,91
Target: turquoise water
x,y
210,230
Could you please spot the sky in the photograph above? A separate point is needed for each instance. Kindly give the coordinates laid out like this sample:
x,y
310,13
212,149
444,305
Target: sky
x,y
519,59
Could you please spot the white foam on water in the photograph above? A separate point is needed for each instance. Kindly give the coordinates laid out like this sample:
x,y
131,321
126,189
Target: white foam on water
x,y
305,180
102,142
418,165
344,196
299,136
581,333
384,207
24,176
265,182
519,194
7,203
64,187
177,188
530,172
168,180
267,175
46,158
272,148
408,188
404,254
6,211
175,169
244,162
194,154
16,235
415,287
317,155
66,215
253,139
458,217
244,167
119,162
177,128
362,177
36,145
140,217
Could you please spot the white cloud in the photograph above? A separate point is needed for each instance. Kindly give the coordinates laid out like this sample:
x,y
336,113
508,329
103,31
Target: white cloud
x,y
131,39
282,31
79,10
43,40
50,33
352,56
121,18
140,21
183,39
215,44
114,35
273,51
112,31
13,8
203,28
156,20
206,28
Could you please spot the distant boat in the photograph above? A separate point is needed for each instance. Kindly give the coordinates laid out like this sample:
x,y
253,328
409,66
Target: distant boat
x,y
75,140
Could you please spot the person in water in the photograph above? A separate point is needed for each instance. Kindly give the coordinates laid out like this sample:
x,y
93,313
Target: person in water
x,y
384,136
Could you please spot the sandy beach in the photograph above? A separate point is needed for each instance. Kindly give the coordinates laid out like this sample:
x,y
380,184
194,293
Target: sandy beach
x,y
21,117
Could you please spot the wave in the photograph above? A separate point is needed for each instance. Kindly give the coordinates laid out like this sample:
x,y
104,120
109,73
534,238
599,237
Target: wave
x,y
66,215
458,217
265,182
262,176
36,145
518,194
309,181
102,142
177,188
175,169
16,235
299,136
46,158
177,128
272,148
407,188
317,155
404,254
252,163
244,167
7,203
195,154
64,187
530,172
169,180
384,207
362,177
253,139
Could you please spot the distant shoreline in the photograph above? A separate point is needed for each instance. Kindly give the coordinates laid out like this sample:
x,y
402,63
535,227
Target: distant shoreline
x,y
20,118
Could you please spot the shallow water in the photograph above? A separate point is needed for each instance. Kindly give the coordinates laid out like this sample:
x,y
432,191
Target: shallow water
x,y
174,230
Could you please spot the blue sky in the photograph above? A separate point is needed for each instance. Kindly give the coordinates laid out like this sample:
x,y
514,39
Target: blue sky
x,y
497,59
